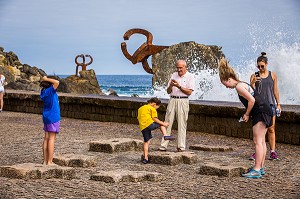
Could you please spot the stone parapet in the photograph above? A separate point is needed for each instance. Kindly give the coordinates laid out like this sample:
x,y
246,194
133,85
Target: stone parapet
x,y
204,116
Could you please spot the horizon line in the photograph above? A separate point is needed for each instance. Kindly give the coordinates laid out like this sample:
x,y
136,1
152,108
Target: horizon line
x,y
105,74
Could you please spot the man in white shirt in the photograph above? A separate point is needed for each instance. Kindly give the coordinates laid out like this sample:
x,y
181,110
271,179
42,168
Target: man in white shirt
x,y
180,87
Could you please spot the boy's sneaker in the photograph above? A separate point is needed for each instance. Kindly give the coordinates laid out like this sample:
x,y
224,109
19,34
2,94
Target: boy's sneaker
x,y
145,161
262,171
169,137
273,156
252,157
252,174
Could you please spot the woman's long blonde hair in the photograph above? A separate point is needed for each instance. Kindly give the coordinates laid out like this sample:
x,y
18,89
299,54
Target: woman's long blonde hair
x,y
226,71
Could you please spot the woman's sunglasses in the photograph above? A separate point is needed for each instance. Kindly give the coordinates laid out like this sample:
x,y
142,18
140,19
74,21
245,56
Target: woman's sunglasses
x,y
260,66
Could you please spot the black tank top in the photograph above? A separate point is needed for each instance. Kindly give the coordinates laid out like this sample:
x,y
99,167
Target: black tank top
x,y
260,106
265,88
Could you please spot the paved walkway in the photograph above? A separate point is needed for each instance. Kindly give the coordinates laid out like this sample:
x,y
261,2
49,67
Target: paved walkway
x,y
21,137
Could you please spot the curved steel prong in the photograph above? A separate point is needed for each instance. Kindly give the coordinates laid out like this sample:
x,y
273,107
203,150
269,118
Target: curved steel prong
x,y
146,66
83,59
125,52
91,59
139,31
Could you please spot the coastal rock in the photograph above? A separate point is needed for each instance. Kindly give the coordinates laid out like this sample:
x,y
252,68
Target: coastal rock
x,y
135,95
19,76
15,71
25,77
198,57
112,92
86,83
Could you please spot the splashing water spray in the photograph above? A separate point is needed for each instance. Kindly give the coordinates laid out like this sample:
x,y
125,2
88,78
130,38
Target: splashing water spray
x,y
283,51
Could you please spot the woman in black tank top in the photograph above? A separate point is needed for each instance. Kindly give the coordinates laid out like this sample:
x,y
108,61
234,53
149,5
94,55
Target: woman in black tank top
x,y
265,82
256,108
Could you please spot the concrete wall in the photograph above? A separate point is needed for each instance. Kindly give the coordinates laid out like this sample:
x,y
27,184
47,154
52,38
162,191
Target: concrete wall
x,y
204,116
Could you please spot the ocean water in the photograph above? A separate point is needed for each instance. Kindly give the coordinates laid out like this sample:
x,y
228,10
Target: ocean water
x,y
125,85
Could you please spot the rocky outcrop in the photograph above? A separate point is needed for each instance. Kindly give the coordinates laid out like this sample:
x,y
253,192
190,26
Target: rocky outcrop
x,y
24,77
197,56
112,92
86,83
19,76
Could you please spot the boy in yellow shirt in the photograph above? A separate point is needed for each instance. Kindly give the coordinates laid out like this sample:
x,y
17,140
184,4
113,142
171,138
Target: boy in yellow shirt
x,y
148,121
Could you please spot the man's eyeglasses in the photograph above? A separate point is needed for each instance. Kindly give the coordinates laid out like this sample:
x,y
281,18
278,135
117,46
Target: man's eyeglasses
x,y
260,66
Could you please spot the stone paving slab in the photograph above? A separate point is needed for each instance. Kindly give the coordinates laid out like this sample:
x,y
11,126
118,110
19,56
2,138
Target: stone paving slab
x,y
116,145
172,158
36,171
126,176
202,147
75,160
222,170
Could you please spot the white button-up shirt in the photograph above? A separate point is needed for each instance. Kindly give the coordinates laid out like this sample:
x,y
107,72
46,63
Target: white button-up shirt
x,y
185,81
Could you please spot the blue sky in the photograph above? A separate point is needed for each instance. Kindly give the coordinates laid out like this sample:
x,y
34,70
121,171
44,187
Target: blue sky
x,y
49,34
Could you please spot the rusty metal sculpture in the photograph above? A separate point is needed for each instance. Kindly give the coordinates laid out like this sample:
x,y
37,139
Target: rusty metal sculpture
x,y
83,64
144,51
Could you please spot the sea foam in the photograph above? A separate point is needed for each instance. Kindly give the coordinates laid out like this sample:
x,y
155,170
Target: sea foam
x,y
283,51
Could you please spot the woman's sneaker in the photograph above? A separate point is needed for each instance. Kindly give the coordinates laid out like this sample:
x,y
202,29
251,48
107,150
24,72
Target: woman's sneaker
x,y
273,156
262,171
252,174
145,161
252,157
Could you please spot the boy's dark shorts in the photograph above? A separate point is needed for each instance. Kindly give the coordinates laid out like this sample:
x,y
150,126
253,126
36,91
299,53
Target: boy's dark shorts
x,y
147,131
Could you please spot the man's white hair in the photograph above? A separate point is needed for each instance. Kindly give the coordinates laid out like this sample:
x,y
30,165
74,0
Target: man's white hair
x,y
183,61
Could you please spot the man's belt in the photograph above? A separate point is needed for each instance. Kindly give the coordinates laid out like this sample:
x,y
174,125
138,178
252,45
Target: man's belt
x,y
179,97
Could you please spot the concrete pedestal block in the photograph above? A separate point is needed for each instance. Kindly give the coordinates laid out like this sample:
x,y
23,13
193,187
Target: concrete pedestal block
x,y
116,145
172,158
221,170
36,171
126,176
74,160
202,147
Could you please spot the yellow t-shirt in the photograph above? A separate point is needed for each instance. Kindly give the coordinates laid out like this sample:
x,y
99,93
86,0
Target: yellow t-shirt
x,y
146,114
